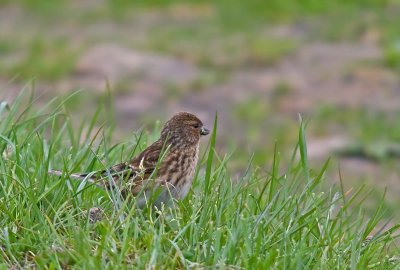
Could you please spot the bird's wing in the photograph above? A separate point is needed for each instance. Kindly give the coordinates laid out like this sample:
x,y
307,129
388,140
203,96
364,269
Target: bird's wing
x,y
149,158
133,173
137,173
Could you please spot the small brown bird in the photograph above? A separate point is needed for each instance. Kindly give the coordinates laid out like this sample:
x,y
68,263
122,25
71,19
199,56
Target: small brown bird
x,y
168,165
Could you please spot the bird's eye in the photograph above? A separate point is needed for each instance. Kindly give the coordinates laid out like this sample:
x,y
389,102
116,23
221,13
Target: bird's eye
x,y
196,125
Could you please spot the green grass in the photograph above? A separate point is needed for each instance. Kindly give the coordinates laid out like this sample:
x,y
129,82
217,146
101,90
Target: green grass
x,y
50,59
392,55
261,219
369,123
221,34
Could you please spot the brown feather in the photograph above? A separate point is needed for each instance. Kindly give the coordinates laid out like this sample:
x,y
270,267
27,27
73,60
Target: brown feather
x,y
178,145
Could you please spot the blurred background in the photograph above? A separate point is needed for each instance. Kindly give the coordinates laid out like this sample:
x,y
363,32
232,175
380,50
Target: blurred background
x,y
258,63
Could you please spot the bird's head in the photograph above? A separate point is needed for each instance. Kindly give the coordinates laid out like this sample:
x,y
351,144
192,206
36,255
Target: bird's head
x,y
183,129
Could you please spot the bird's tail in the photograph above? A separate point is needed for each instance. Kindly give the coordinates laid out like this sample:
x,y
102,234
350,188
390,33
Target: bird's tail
x,y
76,176
89,177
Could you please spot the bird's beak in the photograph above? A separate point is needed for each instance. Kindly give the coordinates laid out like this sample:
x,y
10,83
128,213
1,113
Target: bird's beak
x,y
204,131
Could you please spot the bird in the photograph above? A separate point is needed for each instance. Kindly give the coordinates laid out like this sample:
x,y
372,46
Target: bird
x,y
165,168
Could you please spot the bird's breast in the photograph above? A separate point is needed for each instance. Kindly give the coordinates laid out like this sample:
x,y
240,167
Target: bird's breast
x,y
182,171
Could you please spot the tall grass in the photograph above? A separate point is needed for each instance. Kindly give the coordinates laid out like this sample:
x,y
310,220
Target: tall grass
x,y
283,219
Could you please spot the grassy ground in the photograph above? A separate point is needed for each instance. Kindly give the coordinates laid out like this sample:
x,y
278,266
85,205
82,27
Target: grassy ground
x,y
252,214
260,219
215,24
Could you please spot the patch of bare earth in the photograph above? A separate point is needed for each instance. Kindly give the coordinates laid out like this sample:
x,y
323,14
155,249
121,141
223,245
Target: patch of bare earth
x,y
321,73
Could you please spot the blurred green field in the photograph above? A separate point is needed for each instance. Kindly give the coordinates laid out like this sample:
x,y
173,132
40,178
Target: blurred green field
x,y
47,30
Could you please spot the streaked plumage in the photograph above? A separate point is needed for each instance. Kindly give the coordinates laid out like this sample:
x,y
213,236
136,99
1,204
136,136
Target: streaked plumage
x,y
172,174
